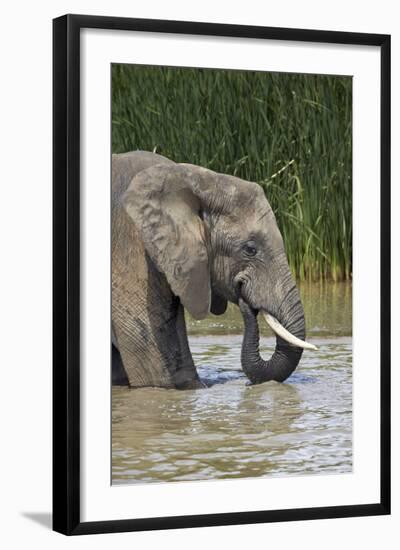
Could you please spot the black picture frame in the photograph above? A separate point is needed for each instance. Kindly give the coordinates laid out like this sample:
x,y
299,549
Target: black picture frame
x,y
66,273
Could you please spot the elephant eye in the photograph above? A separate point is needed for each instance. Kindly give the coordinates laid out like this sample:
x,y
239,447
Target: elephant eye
x,y
250,249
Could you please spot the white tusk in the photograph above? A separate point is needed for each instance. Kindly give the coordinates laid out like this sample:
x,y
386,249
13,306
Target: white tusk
x,y
285,334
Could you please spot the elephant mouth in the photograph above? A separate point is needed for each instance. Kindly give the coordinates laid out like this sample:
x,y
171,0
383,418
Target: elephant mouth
x,y
274,324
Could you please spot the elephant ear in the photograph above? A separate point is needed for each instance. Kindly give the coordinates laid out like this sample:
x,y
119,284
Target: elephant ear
x,y
163,207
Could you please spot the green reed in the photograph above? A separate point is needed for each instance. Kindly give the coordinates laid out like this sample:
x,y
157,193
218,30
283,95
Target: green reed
x,y
291,133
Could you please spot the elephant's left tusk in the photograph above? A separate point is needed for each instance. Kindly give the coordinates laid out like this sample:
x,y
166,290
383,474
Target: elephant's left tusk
x,y
285,334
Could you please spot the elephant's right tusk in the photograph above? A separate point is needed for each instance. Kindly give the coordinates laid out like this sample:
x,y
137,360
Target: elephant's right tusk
x,y
285,334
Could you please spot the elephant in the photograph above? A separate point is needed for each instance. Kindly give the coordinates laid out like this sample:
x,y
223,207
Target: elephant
x,y
186,237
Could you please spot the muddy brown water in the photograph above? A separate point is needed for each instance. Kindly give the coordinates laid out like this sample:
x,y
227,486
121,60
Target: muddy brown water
x,y
233,430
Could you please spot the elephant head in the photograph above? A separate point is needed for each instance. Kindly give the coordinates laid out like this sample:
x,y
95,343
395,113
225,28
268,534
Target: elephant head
x,y
215,238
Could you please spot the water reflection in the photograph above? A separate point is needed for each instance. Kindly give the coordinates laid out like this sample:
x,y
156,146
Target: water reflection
x,y
203,434
327,307
232,430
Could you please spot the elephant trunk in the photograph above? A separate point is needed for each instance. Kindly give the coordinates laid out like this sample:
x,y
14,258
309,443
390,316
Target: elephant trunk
x,y
286,356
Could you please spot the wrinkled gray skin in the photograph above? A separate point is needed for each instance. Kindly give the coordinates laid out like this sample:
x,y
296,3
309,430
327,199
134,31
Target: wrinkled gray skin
x,y
186,236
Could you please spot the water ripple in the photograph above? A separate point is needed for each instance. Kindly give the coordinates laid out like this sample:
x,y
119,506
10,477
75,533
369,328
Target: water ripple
x,y
232,430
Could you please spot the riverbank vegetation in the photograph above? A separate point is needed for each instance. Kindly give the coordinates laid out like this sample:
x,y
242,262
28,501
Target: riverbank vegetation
x,y
291,133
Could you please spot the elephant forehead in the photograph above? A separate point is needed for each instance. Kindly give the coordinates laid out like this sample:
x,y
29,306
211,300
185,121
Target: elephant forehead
x,y
207,180
251,214
258,224
251,205
243,192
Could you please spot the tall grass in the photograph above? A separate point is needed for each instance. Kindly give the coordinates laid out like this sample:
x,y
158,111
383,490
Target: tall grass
x,y
291,133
